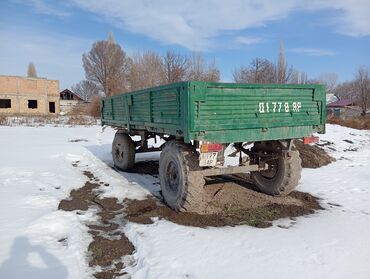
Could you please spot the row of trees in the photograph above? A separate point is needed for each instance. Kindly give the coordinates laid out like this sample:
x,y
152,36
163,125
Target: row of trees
x,y
110,70
261,70
356,90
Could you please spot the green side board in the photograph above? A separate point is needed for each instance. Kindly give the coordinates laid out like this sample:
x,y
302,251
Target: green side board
x,y
220,112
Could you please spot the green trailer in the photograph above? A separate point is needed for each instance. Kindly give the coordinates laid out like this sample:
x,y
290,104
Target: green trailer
x,y
198,120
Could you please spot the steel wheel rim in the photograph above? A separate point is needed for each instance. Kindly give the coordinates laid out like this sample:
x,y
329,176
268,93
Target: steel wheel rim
x,y
172,177
272,170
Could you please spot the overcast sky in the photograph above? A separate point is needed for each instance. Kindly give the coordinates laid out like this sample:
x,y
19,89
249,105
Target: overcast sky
x,y
320,37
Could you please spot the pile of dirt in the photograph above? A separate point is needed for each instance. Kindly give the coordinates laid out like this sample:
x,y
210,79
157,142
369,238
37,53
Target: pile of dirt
x,y
142,211
228,201
109,244
313,156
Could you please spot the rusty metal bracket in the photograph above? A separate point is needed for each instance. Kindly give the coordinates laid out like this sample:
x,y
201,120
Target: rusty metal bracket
x,y
228,170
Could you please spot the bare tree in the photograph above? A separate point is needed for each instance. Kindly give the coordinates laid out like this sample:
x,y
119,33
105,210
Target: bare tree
x,y
86,89
282,66
213,73
197,67
303,78
363,87
294,77
200,70
175,67
107,65
347,90
329,80
260,70
146,71
241,75
283,71
31,70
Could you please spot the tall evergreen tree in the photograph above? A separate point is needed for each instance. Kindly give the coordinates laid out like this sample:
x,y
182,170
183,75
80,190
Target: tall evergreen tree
x,y
31,70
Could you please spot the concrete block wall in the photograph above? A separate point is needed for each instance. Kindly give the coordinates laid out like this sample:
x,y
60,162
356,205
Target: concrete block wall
x,y
22,89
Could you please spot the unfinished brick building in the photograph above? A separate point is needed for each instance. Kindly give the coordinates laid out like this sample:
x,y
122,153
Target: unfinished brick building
x,y
28,96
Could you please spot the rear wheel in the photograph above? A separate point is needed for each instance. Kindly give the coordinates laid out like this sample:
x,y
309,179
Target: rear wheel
x,y
123,151
181,191
282,175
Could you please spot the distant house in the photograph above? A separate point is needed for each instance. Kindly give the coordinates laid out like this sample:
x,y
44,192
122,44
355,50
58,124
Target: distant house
x,y
342,108
67,94
28,96
331,98
70,100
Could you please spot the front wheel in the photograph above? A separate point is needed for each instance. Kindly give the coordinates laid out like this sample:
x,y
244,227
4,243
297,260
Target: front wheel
x,y
282,175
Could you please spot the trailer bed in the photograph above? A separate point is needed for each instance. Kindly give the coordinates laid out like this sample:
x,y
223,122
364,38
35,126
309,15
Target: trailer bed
x,y
220,112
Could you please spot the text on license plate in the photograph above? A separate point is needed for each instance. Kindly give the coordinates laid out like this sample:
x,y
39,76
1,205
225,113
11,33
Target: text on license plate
x,y
268,107
208,159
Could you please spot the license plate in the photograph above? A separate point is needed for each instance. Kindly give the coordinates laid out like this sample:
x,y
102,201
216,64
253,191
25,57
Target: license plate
x,y
208,159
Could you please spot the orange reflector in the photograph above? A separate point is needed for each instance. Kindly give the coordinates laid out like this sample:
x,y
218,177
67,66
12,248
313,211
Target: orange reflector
x,y
308,140
211,147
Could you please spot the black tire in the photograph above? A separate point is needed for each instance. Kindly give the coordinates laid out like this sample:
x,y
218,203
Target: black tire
x,y
283,174
123,151
180,191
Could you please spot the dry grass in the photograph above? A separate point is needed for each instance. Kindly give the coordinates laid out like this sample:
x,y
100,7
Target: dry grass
x,y
3,120
79,110
81,120
93,108
361,123
35,121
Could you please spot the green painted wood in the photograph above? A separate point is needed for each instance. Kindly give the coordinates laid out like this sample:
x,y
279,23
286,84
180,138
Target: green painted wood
x,y
255,134
220,112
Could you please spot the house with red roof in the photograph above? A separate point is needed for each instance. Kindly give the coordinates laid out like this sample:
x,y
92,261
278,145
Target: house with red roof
x,y
342,108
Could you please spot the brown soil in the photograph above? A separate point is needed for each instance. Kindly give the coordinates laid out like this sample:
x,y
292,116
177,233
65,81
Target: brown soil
x,y
223,197
146,167
231,205
312,156
104,250
109,244
80,199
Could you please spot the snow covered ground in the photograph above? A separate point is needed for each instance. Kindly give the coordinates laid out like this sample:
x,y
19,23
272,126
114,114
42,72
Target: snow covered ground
x,y
39,241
